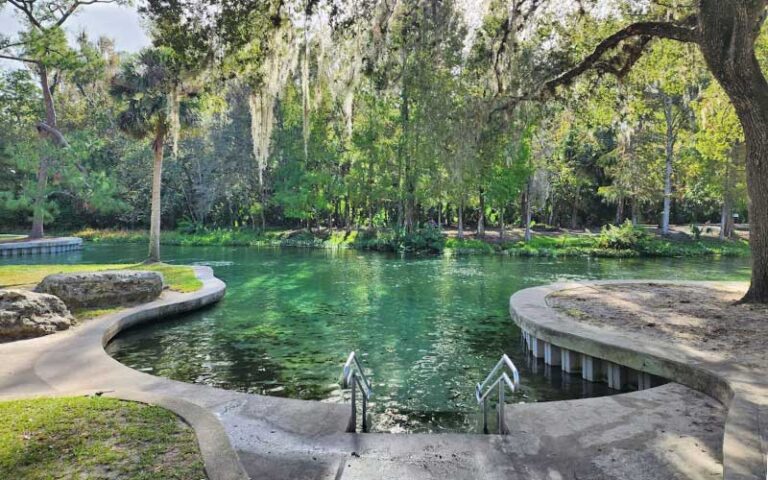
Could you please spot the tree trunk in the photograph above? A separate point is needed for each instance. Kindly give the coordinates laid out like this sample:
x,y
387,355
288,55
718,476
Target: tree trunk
x,y
551,219
574,215
481,216
501,224
157,182
728,31
669,152
726,222
38,212
527,214
635,213
461,219
619,211
405,155
726,217
38,209
523,206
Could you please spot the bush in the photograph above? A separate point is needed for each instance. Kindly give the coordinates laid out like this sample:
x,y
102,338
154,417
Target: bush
x,y
469,245
695,231
624,237
428,239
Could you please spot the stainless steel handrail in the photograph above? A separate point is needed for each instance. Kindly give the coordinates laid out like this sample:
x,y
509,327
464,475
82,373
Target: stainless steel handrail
x,y
493,382
353,376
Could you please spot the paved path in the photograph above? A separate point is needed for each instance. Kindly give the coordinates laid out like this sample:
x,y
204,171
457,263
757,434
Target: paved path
x,y
668,432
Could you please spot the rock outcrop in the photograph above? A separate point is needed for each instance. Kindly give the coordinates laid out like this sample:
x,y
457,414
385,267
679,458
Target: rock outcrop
x,y
25,314
108,288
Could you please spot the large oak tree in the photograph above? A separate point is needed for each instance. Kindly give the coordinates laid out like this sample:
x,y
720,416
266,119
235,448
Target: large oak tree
x,y
725,31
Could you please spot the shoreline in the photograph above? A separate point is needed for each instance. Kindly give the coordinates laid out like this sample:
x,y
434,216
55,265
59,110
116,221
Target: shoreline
x,y
544,245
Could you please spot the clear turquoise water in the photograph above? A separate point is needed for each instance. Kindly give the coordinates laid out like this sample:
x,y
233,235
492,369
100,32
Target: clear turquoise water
x,y
428,328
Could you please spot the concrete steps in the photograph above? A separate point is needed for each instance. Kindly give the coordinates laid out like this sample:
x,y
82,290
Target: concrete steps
x,y
608,437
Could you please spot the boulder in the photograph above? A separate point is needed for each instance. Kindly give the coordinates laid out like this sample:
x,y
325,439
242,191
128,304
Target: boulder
x,y
25,314
107,288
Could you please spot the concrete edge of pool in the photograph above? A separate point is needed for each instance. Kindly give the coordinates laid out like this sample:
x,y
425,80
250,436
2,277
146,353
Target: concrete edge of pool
x,y
744,392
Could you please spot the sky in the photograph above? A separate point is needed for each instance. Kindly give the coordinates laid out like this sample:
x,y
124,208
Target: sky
x,y
119,23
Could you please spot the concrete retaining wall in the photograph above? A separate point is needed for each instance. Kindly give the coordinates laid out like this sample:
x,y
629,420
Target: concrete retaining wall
x,y
618,357
45,246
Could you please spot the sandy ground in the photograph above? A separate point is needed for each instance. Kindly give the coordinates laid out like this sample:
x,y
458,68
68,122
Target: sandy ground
x,y
703,317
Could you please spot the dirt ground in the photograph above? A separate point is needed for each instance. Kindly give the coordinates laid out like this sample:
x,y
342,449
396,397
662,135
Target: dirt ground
x,y
706,318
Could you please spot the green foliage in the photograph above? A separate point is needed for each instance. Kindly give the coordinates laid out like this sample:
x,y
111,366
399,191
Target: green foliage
x,y
624,237
405,123
146,86
468,245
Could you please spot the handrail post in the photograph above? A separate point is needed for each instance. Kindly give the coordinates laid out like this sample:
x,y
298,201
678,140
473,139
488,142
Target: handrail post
x,y
502,423
498,376
353,377
354,407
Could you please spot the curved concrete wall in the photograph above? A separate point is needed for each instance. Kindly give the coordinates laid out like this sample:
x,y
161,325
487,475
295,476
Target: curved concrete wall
x,y
744,393
45,246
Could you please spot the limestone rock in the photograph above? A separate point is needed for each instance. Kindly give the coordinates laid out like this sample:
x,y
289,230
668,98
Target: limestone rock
x,y
107,288
25,314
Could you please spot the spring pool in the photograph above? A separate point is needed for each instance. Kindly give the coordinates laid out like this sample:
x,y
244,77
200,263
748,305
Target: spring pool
x,y
427,329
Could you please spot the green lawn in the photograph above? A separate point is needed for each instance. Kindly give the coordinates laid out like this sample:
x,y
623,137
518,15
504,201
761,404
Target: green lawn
x,y
178,278
10,237
95,438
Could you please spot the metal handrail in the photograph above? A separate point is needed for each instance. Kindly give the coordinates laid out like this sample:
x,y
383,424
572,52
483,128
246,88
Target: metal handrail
x,y
353,376
497,382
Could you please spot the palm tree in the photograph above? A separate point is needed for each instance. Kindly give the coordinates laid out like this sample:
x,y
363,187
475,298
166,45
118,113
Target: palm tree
x,y
156,105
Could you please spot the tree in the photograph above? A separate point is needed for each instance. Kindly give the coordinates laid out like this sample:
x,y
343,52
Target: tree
x,y
43,46
725,32
720,141
156,105
510,175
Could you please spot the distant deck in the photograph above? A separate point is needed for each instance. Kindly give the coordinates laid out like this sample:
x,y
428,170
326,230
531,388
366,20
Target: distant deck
x,y
43,246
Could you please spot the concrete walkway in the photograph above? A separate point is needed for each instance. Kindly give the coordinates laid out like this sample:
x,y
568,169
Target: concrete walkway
x,y
670,432
742,387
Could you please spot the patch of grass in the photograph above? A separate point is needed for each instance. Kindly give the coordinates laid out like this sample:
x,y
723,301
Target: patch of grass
x,y
83,314
179,278
10,237
95,438
570,245
469,245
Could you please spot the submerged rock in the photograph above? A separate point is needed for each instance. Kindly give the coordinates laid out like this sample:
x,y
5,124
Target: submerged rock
x,y
25,314
108,288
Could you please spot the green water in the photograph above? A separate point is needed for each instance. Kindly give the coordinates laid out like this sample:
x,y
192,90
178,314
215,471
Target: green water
x,y
427,328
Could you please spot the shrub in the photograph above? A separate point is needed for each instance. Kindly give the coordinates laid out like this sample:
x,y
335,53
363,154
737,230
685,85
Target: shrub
x,y
468,244
695,231
624,237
